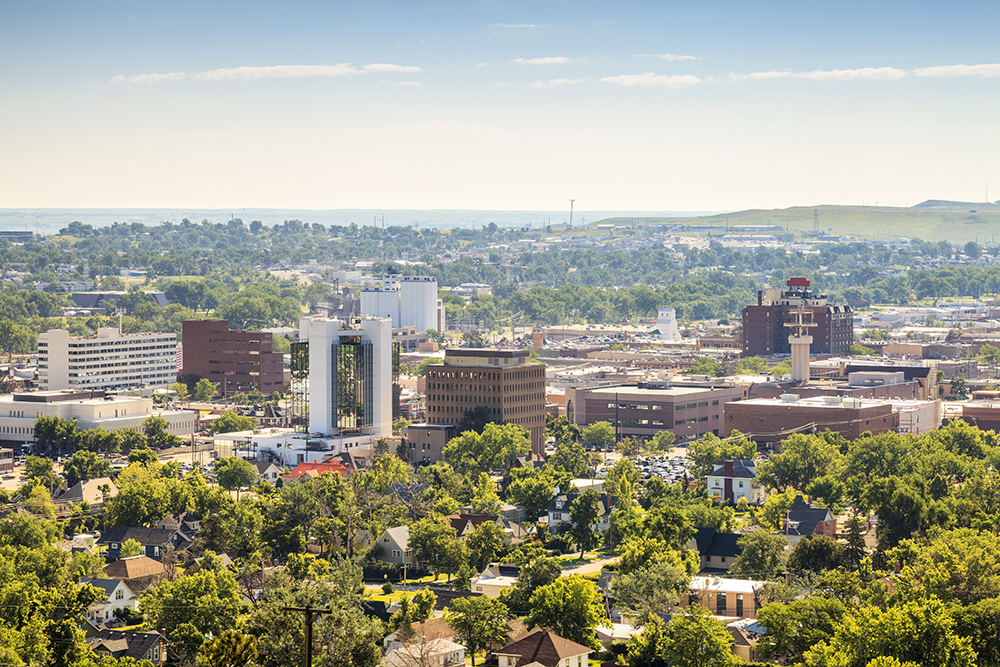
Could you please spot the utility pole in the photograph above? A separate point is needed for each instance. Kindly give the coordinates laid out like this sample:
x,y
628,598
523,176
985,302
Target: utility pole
x,y
309,611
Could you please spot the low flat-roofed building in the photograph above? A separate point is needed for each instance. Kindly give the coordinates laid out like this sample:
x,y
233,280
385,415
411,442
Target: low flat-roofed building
x,y
644,409
769,420
426,442
88,409
733,598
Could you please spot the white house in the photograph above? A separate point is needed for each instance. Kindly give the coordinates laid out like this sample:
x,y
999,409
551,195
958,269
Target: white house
x,y
394,543
432,653
735,479
116,596
559,509
494,579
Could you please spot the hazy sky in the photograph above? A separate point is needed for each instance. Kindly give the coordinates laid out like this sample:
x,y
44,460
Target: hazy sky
x,y
498,105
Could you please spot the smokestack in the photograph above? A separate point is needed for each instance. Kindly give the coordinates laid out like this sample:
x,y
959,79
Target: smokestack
x,y
760,297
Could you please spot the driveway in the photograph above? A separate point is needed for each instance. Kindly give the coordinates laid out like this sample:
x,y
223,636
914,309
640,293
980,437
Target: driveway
x,y
589,567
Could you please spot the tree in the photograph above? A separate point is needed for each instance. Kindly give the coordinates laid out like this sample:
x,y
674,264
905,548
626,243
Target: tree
x,y
761,554
431,540
533,490
752,366
695,639
629,447
539,572
235,473
484,498
130,548
479,622
181,390
570,458
484,543
230,422
84,465
646,648
474,453
655,589
802,460
708,366
958,389
793,628
916,631
662,442
143,455
207,599
435,336
230,649
570,607
474,419
204,390
816,554
599,434
158,436
583,515
710,450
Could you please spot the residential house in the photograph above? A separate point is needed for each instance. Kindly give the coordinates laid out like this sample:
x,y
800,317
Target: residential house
x,y
93,491
154,541
545,648
805,520
464,524
511,512
116,644
746,633
560,506
186,523
735,598
731,480
115,597
138,572
718,551
267,472
309,470
394,543
494,579
431,653
432,628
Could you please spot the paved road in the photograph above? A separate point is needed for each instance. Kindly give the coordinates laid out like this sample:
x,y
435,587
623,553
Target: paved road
x,y
587,568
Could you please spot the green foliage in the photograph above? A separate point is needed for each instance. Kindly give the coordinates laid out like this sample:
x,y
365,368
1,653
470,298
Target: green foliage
x,y
793,628
204,389
533,489
655,589
479,622
802,459
856,350
484,543
130,548
235,473
230,649
601,434
84,465
662,442
570,458
432,540
230,422
583,514
484,498
710,450
474,453
762,554
817,553
570,607
207,599
156,430
541,571
707,366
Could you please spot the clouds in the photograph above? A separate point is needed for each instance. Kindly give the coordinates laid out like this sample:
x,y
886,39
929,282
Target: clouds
x,y
651,80
556,82
959,70
267,72
517,26
673,57
554,60
862,74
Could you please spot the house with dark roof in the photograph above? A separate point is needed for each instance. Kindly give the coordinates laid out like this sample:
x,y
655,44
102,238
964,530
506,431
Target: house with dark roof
x,y
154,541
267,471
805,520
718,551
745,633
138,572
560,506
544,648
150,646
733,479
116,596
494,579
186,523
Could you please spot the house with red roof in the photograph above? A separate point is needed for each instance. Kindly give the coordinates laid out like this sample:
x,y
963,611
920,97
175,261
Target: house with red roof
x,y
308,470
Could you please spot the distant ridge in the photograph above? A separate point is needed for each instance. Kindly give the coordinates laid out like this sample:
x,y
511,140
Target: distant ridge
x,y
944,203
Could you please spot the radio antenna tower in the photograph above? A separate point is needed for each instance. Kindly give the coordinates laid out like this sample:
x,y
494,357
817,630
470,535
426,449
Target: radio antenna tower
x,y
816,220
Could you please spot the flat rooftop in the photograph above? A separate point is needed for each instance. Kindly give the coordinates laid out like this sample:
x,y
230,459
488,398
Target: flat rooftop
x,y
653,393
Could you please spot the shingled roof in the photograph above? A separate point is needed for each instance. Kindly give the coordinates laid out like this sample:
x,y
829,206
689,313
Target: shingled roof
x,y
544,647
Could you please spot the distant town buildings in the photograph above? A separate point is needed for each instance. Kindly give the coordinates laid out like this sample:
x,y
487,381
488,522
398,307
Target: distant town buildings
x,y
764,325
108,360
506,382
235,361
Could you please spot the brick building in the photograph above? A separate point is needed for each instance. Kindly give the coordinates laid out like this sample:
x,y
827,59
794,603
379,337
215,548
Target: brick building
x,y
236,361
768,420
642,410
506,382
765,333
426,442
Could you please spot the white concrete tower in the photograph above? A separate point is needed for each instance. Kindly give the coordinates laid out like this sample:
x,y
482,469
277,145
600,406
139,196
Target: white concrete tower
x,y
800,341
666,324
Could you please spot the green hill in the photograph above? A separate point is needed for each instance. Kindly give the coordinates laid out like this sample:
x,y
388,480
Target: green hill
x,y
934,220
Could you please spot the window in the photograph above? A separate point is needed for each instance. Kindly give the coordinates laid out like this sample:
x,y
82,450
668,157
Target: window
x,y
657,407
739,604
720,607
395,553
119,594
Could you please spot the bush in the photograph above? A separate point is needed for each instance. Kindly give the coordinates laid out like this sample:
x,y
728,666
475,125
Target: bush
x,y
388,589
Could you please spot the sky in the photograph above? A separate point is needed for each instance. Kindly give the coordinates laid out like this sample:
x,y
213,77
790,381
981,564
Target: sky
x,y
492,104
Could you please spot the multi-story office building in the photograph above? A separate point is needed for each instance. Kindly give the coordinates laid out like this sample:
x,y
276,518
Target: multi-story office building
x,y
235,361
87,409
108,360
342,375
409,301
645,409
506,382
766,326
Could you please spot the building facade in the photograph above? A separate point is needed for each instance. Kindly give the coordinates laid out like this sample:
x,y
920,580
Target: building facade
x,y
235,361
426,442
409,301
506,382
108,360
342,376
87,409
647,408
770,420
765,333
